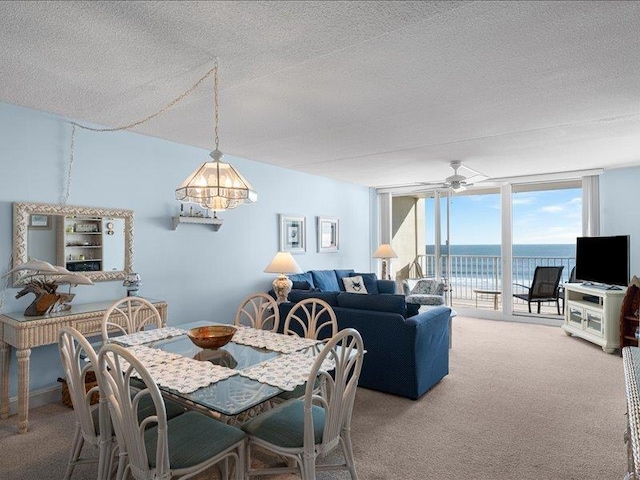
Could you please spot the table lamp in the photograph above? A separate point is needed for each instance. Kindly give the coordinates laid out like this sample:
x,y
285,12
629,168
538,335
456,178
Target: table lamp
x,y
133,283
385,252
282,263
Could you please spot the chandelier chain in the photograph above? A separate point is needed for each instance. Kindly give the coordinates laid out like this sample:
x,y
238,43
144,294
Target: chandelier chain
x,y
168,107
65,199
215,102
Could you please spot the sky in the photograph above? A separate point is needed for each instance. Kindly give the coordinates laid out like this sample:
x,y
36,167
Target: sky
x,y
543,217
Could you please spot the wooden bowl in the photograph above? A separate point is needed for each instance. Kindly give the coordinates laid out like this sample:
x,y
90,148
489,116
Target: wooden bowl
x,y
211,336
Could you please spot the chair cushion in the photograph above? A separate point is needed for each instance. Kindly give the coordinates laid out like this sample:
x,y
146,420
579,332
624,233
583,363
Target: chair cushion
x,y
146,408
284,425
354,285
340,274
424,299
370,281
325,280
193,439
428,286
302,277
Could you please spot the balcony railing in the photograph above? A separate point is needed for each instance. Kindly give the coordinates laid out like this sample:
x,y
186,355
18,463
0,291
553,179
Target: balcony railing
x,y
471,272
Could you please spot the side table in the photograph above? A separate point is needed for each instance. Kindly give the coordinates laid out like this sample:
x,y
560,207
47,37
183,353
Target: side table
x,y
24,333
483,291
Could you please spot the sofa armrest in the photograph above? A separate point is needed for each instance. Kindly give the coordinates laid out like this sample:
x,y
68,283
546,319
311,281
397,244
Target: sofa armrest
x,y
386,286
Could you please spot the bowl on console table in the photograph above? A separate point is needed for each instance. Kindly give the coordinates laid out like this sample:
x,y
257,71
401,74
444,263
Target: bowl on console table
x,y
211,336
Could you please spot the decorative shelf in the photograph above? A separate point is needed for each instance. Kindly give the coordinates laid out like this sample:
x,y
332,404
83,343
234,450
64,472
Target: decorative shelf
x,y
215,222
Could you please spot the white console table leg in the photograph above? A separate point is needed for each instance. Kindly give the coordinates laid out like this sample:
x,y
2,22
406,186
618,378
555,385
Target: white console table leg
x,y
23,389
5,351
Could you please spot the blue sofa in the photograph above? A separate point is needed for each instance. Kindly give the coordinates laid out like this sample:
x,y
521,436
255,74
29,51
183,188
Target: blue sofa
x,y
331,281
407,354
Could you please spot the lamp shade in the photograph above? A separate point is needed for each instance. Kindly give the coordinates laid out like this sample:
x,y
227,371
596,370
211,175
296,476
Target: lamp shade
x,y
385,251
216,185
283,262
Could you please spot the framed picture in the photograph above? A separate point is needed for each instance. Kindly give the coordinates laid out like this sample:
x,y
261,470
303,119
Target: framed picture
x,y
42,222
328,234
293,234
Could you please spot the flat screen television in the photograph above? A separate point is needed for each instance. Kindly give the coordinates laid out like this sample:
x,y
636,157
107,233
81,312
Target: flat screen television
x,y
603,260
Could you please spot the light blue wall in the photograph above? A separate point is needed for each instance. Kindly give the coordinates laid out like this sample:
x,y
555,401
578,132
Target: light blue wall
x,y
620,208
202,274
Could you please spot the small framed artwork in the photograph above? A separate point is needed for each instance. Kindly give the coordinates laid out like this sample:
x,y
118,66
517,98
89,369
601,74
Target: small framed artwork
x,y
293,237
328,234
41,222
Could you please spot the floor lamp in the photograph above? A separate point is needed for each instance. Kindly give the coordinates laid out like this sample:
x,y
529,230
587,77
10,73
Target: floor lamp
x,y
386,253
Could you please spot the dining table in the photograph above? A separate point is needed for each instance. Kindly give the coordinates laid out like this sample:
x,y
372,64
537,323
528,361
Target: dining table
x,y
255,366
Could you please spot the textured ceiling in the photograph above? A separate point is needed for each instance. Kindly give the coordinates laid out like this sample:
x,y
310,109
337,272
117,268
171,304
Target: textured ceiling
x,y
375,93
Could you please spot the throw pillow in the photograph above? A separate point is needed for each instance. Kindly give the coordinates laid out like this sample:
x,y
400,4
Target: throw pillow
x,y
302,277
354,285
325,280
370,281
340,274
301,285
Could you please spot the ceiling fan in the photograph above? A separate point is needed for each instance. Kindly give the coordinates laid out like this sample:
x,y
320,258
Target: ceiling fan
x,y
458,182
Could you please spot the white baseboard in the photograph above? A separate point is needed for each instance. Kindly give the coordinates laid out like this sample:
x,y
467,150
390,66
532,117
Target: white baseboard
x,y
38,398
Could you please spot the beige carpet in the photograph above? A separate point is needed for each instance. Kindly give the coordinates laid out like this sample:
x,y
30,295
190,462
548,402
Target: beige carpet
x,y
521,402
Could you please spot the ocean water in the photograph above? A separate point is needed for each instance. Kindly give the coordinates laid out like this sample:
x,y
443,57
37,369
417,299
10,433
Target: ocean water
x,y
551,250
480,265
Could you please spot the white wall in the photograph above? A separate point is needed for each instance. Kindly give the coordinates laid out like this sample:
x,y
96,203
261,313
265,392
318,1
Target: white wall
x,y
201,273
620,208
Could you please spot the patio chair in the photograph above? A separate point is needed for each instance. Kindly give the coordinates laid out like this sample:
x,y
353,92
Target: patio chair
x,y
259,311
137,313
544,287
158,447
304,429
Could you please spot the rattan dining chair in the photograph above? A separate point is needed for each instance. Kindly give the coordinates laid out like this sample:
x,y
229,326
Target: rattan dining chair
x,y
159,448
307,428
136,312
78,358
311,318
260,311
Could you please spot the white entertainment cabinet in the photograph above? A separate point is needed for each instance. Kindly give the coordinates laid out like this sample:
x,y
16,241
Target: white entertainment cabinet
x,y
593,313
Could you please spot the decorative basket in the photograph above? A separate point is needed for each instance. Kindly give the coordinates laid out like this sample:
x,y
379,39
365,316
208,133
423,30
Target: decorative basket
x,y
89,383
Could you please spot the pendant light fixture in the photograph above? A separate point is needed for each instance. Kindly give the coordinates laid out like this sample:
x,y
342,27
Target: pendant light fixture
x,y
216,185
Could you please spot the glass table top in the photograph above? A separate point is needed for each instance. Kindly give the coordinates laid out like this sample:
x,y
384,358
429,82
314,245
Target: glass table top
x,y
233,395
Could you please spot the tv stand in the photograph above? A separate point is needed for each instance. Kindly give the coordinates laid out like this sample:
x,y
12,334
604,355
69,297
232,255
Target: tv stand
x,y
601,286
593,312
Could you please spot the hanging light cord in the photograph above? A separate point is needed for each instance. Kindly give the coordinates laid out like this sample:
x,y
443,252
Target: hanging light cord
x,y
215,102
131,125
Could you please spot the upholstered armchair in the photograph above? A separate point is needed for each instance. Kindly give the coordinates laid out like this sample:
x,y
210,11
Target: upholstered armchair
x,y
423,291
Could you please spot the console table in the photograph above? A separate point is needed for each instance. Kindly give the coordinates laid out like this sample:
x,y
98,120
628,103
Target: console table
x,y
593,313
24,333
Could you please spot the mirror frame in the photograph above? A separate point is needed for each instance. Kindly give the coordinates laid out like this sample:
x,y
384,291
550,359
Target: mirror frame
x,y
22,211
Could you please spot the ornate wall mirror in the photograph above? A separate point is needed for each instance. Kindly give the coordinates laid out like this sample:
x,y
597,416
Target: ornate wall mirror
x,y
95,241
